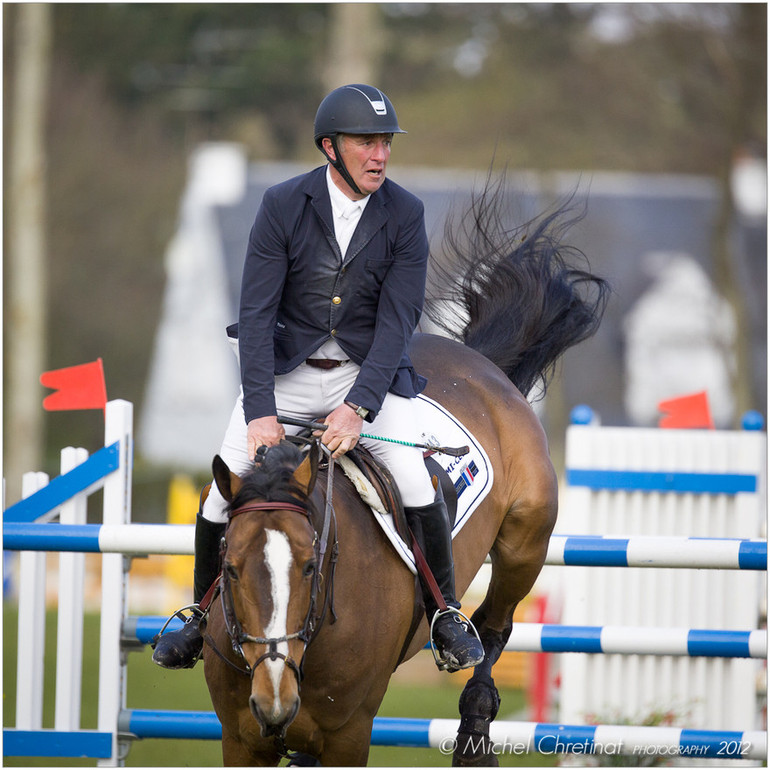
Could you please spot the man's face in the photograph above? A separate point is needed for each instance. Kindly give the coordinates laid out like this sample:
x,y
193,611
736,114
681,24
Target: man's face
x,y
365,156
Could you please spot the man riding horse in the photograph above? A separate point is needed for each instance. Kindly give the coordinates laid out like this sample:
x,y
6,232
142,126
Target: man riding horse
x,y
333,289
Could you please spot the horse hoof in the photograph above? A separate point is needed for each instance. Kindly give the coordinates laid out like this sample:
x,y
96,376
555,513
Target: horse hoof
x,y
479,704
474,751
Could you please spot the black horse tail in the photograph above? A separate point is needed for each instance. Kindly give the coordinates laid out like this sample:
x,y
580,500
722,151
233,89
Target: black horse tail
x,y
526,296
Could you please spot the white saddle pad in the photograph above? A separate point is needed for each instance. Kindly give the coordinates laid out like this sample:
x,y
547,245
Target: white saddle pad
x,y
472,474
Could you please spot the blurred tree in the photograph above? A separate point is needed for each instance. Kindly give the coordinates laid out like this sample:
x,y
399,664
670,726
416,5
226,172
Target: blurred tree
x,y
560,85
741,74
573,85
356,42
27,306
208,63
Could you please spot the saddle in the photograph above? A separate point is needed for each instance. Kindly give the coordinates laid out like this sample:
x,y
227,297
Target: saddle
x,y
383,484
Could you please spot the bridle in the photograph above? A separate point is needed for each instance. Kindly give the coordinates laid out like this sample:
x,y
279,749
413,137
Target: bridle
x,y
313,618
235,631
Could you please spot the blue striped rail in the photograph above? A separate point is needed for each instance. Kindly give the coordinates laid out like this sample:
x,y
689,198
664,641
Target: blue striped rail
x,y
57,743
570,550
516,738
129,539
544,637
634,640
662,481
657,551
506,737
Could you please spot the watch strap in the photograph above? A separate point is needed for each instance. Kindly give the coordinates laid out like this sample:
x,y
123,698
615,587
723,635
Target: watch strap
x,y
361,411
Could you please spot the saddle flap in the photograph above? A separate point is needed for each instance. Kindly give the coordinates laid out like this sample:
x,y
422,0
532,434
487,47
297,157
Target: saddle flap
x,y
384,486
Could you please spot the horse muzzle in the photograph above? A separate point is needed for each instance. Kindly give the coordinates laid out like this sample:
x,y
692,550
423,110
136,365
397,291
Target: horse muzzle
x,y
274,700
274,718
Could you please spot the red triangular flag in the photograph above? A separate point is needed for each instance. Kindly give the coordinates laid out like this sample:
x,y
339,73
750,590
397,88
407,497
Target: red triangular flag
x,y
77,387
686,412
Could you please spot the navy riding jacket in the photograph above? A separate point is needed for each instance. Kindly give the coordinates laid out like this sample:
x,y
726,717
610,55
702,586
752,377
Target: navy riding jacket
x,y
298,292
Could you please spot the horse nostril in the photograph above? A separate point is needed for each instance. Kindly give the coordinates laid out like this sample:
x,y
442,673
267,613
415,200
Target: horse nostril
x,y
256,712
275,723
265,728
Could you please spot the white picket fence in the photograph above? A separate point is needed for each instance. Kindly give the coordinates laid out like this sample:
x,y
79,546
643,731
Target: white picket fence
x,y
633,483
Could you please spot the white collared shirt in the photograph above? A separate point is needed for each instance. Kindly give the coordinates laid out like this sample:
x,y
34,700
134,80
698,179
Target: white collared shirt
x,y
345,214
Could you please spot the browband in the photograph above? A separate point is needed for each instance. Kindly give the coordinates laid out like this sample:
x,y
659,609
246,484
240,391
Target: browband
x,y
269,506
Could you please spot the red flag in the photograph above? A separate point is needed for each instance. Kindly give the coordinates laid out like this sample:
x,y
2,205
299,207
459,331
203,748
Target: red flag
x,y
77,387
686,412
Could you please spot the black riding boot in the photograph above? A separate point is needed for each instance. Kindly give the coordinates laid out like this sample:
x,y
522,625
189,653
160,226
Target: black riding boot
x,y
457,644
182,648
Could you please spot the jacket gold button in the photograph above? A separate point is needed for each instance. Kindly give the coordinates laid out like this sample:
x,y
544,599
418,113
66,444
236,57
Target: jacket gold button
x,y
333,332
336,300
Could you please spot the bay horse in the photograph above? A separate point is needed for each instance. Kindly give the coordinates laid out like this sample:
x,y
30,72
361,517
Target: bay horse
x,y
317,608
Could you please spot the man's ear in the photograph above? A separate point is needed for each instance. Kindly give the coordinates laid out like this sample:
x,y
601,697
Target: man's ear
x,y
328,148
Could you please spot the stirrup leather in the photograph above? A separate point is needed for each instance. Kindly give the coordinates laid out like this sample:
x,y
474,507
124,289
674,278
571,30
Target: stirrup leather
x,y
442,662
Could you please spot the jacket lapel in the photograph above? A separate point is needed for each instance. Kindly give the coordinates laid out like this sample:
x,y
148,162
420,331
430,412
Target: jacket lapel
x,y
315,188
372,221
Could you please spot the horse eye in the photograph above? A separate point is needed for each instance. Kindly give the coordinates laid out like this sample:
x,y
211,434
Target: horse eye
x,y
309,568
232,573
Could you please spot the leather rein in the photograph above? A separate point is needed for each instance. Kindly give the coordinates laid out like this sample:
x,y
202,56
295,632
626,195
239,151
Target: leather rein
x,y
313,619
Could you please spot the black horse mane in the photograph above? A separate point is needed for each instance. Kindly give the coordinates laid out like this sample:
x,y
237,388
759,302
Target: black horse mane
x,y
527,296
271,480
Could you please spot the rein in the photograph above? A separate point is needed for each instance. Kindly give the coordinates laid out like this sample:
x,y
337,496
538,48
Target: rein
x,y
313,620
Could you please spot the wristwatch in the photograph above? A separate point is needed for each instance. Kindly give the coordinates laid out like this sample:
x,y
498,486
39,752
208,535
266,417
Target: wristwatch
x,y
361,411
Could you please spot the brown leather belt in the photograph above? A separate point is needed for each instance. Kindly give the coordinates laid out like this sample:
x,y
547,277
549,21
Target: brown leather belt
x,y
325,363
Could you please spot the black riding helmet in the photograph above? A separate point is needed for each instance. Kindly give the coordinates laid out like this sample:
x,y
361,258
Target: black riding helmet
x,y
353,109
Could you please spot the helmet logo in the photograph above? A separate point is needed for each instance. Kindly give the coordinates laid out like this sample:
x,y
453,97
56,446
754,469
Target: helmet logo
x,y
378,105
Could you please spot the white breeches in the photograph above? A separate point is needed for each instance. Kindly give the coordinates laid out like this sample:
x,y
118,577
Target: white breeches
x,y
307,393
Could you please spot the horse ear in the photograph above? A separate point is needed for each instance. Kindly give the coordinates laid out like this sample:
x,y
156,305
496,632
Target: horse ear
x,y
227,482
306,473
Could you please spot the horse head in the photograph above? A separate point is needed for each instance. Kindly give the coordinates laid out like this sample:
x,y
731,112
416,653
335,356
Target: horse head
x,y
269,578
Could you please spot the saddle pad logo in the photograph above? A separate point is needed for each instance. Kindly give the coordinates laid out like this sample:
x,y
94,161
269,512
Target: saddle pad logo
x,y
468,473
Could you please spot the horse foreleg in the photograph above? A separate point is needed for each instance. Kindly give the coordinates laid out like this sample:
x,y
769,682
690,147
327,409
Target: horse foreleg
x,y
517,558
349,746
239,753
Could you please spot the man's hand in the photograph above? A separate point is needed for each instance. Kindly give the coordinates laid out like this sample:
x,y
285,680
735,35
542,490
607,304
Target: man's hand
x,y
264,431
344,428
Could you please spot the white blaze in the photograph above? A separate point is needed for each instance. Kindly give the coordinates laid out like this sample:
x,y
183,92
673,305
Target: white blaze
x,y
278,560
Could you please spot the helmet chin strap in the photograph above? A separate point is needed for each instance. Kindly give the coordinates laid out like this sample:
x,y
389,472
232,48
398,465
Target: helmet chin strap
x,y
339,165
